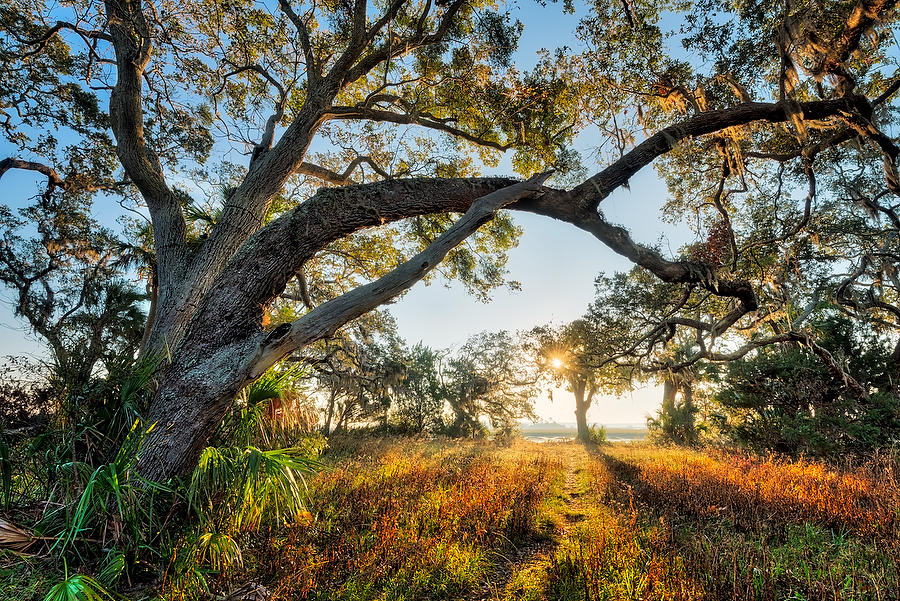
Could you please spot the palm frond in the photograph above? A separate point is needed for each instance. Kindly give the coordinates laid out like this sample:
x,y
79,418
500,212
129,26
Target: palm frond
x,y
78,587
112,568
249,418
14,538
251,484
219,551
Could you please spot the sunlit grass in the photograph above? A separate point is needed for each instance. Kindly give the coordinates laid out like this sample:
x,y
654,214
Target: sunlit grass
x,y
864,498
411,519
655,528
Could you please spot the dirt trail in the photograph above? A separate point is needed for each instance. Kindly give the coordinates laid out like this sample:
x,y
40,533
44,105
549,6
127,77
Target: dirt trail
x,y
575,509
571,508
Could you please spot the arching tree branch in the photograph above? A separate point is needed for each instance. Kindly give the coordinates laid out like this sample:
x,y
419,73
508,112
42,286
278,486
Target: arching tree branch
x,y
588,195
326,318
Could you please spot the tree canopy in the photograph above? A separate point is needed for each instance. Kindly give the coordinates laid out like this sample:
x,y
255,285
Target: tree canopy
x,y
772,123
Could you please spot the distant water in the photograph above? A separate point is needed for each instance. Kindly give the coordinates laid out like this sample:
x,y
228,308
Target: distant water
x,y
562,432
547,438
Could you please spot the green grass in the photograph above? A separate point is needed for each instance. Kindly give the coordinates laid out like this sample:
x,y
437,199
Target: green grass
x,y
24,578
407,520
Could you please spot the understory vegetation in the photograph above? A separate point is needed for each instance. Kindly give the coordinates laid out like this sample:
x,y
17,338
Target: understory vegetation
x,y
77,520
449,519
208,206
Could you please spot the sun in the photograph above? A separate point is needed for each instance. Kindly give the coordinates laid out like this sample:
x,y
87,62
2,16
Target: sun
x,y
556,363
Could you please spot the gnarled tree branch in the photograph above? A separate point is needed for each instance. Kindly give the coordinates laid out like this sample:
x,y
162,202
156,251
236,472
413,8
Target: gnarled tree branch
x,y
326,318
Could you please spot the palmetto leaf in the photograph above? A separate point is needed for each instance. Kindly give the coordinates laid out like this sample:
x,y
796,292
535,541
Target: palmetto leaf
x,y
219,551
112,567
251,483
78,587
14,538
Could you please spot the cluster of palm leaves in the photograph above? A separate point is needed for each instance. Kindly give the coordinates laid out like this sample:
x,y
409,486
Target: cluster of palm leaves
x,y
121,529
249,479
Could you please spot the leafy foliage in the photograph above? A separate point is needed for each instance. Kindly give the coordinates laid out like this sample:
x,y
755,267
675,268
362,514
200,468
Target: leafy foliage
x,y
246,486
422,395
488,378
785,399
78,587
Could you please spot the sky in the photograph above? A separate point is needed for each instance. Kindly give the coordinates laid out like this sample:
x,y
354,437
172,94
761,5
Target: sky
x,y
555,263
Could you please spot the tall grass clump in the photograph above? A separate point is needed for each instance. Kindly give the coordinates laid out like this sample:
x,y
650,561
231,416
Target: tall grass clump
x,y
409,521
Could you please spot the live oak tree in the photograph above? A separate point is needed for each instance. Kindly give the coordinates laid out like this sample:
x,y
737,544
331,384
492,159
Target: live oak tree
x,y
156,103
581,355
488,382
419,400
783,398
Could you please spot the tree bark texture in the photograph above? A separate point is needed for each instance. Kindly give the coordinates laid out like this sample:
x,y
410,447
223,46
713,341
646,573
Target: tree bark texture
x,y
210,301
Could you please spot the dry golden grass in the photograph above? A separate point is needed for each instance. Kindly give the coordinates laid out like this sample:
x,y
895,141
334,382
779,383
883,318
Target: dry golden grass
x,y
680,525
410,519
864,498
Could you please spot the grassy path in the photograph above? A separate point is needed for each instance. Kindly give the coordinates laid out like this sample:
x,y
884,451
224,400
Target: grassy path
x,y
639,522
575,489
564,507
571,505
473,521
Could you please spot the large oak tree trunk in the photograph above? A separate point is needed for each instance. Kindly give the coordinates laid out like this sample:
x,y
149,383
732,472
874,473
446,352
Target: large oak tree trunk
x,y
190,403
581,407
224,346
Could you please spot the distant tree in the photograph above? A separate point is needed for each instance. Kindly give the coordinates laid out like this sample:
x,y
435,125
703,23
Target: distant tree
x,y
357,379
686,405
420,397
489,378
70,287
580,356
25,396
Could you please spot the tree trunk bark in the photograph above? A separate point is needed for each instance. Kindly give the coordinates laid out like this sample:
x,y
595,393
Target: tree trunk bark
x,y
687,400
669,391
195,391
581,407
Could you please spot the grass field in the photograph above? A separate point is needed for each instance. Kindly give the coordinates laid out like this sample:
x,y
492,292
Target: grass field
x,y
471,520
409,519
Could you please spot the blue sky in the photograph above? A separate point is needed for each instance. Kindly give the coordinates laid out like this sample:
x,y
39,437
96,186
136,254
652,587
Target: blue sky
x,y
555,263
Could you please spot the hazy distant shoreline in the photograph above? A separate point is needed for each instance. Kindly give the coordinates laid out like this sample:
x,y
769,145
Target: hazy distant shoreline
x,y
549,432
